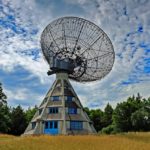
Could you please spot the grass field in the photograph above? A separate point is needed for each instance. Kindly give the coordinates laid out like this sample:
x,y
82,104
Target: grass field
x,y
129,141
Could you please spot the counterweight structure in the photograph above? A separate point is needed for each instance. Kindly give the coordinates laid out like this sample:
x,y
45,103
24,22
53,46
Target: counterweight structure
x,y
75,49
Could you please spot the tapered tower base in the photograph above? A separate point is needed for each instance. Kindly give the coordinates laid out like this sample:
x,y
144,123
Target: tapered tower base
x,y
60,112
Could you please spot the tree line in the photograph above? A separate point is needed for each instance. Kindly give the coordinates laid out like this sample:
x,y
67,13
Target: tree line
x,y
13,120
130,115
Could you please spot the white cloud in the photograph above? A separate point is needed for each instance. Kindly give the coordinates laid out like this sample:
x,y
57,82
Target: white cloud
x,y
23,97
28,18
119,18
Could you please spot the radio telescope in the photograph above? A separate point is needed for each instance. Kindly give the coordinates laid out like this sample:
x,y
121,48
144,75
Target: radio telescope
x,y
75,49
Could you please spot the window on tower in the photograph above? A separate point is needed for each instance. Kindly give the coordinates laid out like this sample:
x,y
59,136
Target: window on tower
x,y
40,111
55,124
33,125
46,125
53,110
50,124
69,98
55,98
72,110
76,125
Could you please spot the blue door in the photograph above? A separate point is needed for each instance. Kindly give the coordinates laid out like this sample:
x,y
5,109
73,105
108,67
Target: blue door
x,y
51,127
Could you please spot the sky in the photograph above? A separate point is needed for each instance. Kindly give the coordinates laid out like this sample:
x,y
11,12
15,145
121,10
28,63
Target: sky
x,y
23,71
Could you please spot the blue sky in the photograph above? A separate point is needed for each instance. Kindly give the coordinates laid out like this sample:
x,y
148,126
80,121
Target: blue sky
x,y
23,69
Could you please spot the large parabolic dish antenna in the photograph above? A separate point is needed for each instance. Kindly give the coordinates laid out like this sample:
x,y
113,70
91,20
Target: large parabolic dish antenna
x,y
79,50
83,43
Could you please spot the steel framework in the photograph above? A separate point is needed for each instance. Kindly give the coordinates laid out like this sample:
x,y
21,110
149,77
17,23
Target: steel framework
x,y
79,39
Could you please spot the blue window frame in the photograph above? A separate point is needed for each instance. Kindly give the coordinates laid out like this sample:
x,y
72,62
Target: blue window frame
x,y
51,127
72,110
46,125
55,126
76,125
69,98
51,124
33,125
55,98
53,110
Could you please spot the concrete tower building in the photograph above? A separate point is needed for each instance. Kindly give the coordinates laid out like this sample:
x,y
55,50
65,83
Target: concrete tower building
x,y
60,112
